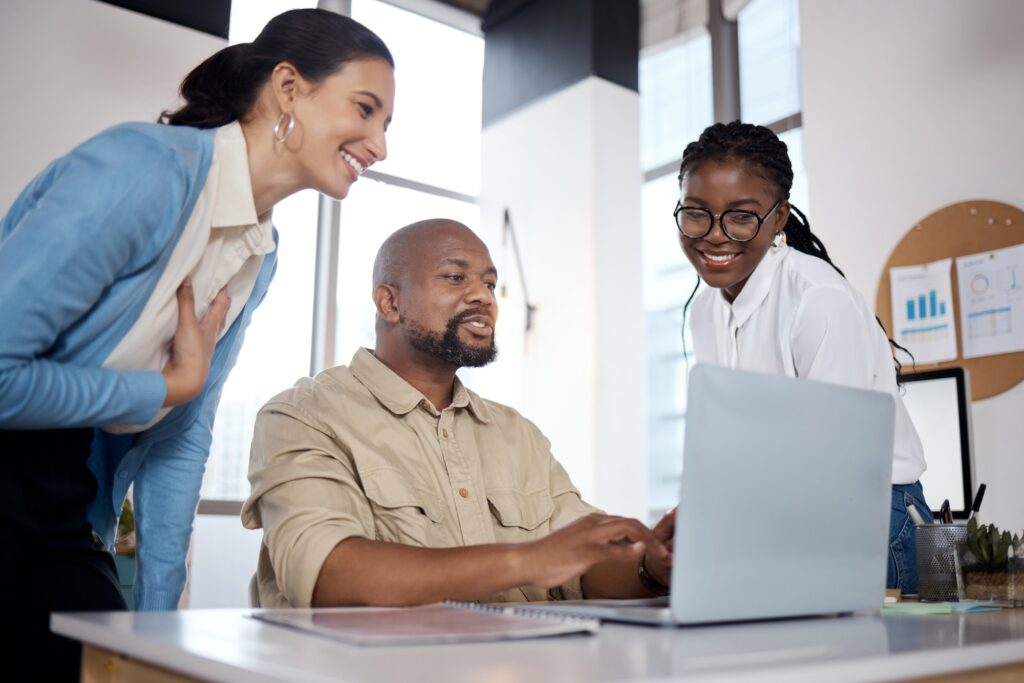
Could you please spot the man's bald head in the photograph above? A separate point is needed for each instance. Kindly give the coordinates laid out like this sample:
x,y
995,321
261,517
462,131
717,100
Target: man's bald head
x,y
433,287
406,246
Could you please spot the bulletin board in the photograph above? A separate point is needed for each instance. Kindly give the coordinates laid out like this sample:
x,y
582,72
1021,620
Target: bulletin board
x,y
960,229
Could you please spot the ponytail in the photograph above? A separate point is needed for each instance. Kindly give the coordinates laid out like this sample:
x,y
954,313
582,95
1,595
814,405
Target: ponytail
x,y
220,90
318,43
799,236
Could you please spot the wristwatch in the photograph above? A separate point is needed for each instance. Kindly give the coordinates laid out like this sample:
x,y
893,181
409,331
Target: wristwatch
x,y
648,581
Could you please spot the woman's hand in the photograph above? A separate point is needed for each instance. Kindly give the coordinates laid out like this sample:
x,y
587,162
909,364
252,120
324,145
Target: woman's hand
x,y
194,342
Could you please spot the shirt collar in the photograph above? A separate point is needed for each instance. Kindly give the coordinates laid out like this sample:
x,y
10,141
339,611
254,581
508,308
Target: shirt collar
x,y
756,289
234,204
398,396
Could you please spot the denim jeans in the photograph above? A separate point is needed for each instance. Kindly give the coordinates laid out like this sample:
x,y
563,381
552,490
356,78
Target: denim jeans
x,y
902,571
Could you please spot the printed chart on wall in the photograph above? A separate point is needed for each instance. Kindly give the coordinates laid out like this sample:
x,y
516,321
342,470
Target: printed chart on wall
x,y
992,301
922,310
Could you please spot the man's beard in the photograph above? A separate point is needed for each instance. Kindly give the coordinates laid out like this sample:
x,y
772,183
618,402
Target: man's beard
x,y
448,347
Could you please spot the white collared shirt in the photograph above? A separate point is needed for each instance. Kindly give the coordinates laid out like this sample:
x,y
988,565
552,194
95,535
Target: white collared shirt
x,y
797,317
223,244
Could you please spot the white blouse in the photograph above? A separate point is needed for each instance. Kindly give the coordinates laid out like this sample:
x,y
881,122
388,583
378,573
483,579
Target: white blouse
x,y
223,243
797,317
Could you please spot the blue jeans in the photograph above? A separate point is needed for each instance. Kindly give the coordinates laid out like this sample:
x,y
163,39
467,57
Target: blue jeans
x,y
902,571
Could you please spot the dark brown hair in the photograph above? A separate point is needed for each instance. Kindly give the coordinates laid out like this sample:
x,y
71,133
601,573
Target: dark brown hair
x,y
317,42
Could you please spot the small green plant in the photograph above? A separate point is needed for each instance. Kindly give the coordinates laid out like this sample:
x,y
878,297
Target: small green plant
x,y
124,541
990,546
126,524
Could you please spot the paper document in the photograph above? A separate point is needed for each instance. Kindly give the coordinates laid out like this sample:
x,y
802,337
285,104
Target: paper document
x,y
920,608
452,622
992,301
922,310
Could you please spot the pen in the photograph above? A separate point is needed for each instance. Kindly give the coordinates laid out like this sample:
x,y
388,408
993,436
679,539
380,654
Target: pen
x,y
944,513
915,515
977,501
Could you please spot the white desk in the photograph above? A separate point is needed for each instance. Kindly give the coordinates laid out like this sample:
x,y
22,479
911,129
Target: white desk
x,y
227,646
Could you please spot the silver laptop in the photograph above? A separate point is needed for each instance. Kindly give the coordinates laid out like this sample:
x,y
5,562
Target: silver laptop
x,y
784,504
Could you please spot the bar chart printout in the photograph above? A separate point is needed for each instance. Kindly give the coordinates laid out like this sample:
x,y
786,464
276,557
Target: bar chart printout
x,y
992,301
922,310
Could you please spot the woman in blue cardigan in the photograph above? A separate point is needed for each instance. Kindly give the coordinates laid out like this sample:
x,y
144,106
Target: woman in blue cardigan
x,y
129,269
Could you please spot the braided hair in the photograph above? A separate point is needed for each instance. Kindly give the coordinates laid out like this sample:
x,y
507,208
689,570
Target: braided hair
x,y
764,154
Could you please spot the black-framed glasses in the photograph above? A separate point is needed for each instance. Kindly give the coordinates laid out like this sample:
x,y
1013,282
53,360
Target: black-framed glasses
x,y
737,224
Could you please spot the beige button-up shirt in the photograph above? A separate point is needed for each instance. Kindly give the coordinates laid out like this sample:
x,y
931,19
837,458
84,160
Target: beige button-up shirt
x,y
357,451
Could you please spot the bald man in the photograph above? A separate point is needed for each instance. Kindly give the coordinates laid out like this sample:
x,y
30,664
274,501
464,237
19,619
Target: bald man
x,y
387,482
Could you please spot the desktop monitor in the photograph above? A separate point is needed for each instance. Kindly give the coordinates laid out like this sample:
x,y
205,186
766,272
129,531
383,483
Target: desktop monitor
x,y
939,404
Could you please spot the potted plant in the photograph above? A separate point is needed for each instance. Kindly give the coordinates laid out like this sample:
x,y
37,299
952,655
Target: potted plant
x,y
992,564
124,551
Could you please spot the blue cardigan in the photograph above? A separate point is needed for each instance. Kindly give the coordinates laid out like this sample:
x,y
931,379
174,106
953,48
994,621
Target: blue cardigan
x,y
81,251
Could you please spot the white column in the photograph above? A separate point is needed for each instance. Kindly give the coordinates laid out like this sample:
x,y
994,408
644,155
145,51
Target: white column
x,y
567,167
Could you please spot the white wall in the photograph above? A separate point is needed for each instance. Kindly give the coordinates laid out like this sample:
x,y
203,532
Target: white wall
x,y
222,559
75,67
568,168
910,106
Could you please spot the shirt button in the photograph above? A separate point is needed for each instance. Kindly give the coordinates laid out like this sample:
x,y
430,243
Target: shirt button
x,y
444,432
464,492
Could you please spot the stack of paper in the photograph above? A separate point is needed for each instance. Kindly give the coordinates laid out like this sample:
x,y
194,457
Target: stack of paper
x,y
918,608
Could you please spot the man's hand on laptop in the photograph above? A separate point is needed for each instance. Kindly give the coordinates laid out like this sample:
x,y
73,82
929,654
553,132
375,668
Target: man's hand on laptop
x,y
660,566
596,538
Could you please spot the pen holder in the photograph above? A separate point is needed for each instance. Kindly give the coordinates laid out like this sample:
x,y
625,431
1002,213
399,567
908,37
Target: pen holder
x,y
938,548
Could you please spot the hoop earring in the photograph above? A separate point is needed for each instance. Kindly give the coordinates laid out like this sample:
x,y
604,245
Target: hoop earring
x,y
780,240
278,135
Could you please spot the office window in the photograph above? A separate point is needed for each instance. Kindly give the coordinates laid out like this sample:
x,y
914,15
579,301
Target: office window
x,y
769,46
433,164
433,170
769,42
435,135
675,97
372,212
668,281
799,195
276,349
675,106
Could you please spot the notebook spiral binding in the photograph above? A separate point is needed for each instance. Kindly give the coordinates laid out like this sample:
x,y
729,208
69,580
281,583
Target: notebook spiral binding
x,y
520,611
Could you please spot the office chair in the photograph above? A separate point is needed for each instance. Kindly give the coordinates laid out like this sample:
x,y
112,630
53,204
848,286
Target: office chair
x,y
254,592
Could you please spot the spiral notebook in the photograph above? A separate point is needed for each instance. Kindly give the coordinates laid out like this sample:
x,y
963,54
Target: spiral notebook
x,y
447,622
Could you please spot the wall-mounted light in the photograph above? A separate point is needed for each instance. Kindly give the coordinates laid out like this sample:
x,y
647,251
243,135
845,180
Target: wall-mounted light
x,y
509,233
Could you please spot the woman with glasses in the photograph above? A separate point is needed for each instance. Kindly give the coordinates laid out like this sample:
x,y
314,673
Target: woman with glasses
x,y
776,303
129,270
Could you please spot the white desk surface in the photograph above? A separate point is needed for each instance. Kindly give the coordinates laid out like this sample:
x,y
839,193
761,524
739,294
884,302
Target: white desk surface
x,y
228,646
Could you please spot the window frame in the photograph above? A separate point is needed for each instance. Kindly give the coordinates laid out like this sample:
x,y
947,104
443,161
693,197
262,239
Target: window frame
x,y
330,221
725,93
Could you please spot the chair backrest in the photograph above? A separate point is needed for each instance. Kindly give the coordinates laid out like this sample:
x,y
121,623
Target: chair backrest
x,y
254,592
